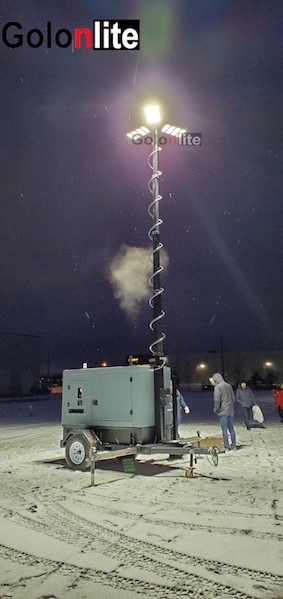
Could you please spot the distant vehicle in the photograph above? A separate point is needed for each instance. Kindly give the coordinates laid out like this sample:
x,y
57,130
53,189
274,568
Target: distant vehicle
x,y
207,387
39,390
55,389
263,385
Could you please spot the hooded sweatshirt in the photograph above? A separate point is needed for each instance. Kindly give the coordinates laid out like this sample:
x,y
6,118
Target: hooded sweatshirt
x,y
223,396
245,397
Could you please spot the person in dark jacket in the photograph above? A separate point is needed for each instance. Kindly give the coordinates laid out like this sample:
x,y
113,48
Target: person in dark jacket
x,y
224,408
245,397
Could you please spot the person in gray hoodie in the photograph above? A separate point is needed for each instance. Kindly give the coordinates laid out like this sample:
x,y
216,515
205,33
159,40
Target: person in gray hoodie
x,y
224,408
245,397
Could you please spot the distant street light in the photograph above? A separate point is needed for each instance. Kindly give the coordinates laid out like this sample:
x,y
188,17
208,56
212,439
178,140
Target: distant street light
x,y
153,118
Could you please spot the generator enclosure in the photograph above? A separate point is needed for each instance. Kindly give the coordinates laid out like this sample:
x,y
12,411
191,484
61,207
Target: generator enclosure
x,y
117,403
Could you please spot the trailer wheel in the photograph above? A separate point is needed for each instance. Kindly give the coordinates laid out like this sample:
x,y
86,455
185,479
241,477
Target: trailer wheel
x,y
212,455
77,452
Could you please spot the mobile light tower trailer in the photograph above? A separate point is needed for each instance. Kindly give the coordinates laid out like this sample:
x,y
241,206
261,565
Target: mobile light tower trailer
x,y
112,411
128,409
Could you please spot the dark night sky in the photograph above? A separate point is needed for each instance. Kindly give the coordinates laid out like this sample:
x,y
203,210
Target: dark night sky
x,y
74,187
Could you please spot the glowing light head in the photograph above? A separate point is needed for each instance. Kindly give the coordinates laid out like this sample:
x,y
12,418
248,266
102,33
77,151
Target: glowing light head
x,y
152,114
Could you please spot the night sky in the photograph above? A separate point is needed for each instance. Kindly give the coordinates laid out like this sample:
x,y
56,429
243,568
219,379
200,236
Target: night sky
x,y
74,190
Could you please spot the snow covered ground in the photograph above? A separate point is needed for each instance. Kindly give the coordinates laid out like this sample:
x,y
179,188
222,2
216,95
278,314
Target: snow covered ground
x,y
156,534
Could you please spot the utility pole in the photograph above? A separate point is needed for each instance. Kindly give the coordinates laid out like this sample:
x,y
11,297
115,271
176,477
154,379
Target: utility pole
x,y
48,364
222,357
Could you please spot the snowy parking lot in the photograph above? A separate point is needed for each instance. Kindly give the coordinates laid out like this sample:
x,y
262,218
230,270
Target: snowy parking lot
x,y
154,534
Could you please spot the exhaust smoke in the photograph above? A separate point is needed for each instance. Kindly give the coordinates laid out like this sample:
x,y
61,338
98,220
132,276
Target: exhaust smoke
x,y
129,272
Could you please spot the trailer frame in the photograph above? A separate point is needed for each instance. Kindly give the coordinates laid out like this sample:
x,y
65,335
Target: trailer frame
x,y
87,444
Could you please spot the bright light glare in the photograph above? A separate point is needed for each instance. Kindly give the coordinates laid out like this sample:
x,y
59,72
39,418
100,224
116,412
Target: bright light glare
x,y
176,131
152,114
172,130
140,131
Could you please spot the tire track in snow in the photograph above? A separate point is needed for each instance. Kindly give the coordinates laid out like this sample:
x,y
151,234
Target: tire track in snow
x,y
198,527
64,525
191,586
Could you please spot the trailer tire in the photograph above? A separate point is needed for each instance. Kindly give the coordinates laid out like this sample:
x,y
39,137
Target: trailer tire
x,y
77,452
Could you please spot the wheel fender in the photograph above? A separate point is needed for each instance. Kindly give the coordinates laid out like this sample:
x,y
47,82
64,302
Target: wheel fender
x,y
86,433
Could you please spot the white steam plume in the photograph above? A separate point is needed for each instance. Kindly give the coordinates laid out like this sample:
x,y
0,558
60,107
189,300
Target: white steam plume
x,y
129,272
